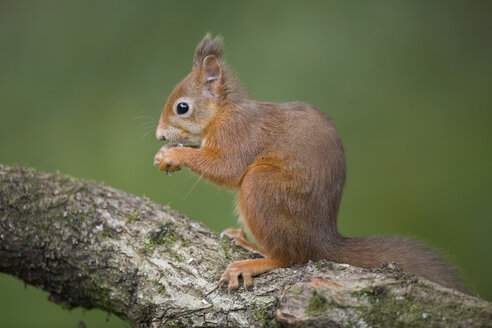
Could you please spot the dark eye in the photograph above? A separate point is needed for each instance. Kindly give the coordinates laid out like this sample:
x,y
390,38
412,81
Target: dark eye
x,y
182,108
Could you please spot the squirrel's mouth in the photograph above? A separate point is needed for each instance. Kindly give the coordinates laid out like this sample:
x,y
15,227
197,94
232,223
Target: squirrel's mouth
x,y
189,142
192,144
184,143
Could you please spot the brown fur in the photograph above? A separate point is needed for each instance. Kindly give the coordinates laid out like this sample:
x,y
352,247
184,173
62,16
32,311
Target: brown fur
x,y
288,163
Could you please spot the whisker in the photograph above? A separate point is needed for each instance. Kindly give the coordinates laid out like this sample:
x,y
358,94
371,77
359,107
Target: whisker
x,y
147,133
148,126
148,123
193,187
148,120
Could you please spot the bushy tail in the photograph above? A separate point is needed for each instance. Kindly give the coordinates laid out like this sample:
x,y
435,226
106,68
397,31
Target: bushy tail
x,y
411,256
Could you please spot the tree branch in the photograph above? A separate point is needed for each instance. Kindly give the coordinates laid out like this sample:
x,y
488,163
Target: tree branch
x,y
93,246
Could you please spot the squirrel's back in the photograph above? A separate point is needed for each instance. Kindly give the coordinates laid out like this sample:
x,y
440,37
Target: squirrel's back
x,y
308,146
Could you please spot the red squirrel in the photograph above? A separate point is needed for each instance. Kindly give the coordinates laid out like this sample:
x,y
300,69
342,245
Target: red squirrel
x,y
287,162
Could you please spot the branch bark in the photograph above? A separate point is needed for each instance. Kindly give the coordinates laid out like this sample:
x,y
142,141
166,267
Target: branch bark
x,y
92,246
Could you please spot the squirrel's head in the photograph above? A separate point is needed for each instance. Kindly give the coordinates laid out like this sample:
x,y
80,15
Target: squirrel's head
x,y
195,101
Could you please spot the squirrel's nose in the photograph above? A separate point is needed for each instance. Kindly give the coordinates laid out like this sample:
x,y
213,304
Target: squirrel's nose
x,y
160,135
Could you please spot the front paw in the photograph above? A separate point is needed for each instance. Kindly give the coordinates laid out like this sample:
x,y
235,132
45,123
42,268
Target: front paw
x,y
167,158
160,153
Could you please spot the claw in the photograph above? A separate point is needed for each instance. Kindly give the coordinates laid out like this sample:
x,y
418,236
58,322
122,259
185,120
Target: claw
x,y
223,279
247,280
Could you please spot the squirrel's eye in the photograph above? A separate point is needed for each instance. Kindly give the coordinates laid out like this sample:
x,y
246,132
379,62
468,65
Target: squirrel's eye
x,y
182,108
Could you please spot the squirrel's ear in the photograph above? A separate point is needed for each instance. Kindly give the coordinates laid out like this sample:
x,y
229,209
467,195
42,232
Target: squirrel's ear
x,y
210,77
211,69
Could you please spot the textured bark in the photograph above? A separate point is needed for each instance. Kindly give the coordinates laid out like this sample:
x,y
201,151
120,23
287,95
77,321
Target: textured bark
x,y
93,246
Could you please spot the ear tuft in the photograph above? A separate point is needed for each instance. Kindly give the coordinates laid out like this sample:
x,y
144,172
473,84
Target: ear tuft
x,y
208,47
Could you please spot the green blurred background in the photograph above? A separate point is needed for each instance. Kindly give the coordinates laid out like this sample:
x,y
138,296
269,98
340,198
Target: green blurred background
x,y
408,85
